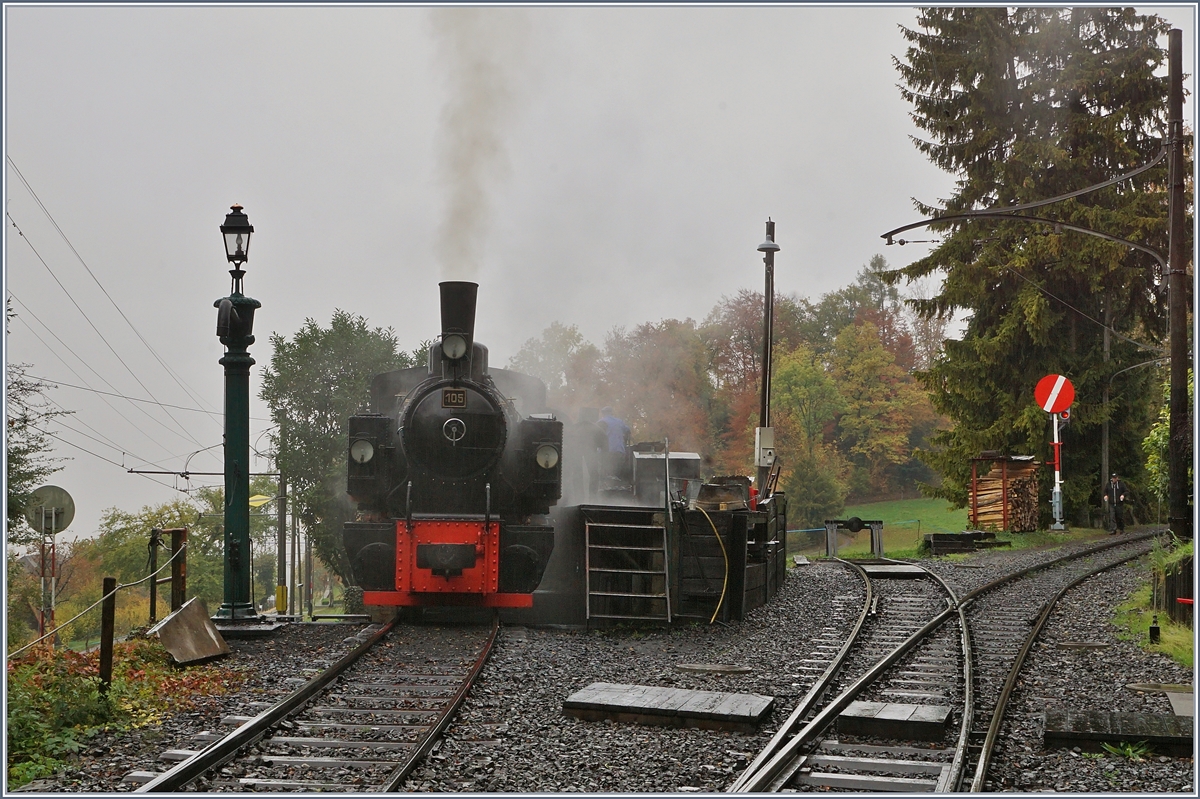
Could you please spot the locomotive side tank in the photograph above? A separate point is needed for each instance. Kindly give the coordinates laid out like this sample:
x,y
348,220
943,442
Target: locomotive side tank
x,y
453,471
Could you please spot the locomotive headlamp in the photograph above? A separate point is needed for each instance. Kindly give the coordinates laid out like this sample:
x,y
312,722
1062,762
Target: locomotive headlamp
x,y
237,230
362,450
547,456
454,347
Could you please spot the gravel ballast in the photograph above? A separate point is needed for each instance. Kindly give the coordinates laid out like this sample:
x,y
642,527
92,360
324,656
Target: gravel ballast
x,y
511,734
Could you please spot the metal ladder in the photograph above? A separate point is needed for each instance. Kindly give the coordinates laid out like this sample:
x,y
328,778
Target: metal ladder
x,y
627,572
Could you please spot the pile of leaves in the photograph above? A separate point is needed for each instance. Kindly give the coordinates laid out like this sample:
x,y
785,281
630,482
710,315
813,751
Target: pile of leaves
x,y
56,701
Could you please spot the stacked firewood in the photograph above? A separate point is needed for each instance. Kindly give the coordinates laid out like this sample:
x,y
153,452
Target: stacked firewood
x,y
1022,498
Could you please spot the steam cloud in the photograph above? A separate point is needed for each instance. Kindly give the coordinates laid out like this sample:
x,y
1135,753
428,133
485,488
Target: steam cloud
x,y
482,51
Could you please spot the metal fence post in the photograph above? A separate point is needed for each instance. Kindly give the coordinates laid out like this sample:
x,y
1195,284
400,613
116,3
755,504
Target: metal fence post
x,y
831,528
108,612
155,541
178,567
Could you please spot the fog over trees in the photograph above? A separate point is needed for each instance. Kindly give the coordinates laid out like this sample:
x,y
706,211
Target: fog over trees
x,y
847,410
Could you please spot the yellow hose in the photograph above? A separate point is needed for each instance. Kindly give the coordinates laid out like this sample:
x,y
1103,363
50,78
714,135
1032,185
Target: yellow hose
x,y
725,583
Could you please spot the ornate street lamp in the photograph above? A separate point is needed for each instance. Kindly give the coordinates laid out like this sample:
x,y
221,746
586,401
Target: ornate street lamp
x,y
235,327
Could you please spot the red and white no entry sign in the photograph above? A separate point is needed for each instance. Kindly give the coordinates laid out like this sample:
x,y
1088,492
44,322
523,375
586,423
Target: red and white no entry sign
x,y
1054,393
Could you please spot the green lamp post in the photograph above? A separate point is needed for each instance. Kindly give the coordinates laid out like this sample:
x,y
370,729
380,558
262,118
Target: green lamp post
x,y
235,326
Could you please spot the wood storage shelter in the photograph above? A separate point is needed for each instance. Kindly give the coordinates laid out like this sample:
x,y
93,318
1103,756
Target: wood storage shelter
x,y
1006,497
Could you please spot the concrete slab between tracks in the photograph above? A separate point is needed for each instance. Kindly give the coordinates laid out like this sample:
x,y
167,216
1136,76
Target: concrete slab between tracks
x,y
1091,729
894,720
895,571
1182,704
677,707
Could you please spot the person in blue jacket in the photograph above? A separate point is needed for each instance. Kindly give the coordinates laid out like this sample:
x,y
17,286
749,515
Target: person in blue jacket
x,y
617,433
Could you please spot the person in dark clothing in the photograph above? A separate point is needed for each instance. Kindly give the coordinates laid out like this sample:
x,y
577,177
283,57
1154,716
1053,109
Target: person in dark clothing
x,y
1114,497
617,433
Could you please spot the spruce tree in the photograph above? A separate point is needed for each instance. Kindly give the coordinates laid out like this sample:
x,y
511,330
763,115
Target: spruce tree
x,y
1022,105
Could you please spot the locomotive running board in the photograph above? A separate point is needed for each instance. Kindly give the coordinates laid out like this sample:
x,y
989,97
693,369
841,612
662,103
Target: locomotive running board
x,y
431,599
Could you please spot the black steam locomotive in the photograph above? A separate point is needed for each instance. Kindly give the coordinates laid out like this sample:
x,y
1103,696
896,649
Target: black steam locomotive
x,y
452,472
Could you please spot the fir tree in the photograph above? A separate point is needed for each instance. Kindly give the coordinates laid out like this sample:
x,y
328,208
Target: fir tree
x,y
1022,105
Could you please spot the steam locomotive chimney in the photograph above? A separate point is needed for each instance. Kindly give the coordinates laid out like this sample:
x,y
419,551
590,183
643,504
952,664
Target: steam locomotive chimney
x,y
458,308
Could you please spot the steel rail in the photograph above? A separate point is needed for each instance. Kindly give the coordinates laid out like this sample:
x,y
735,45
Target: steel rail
x,y
224,750
958,764
819,687
993,732
787,754
400,774
767,776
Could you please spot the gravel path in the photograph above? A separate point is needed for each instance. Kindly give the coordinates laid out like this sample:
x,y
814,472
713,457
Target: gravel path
x,y
536,748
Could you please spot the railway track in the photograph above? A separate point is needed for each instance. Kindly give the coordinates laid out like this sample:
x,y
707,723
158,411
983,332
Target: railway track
x,y
363,724
940,665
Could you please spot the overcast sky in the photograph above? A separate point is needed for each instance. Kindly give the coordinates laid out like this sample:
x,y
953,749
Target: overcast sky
x,y
595,166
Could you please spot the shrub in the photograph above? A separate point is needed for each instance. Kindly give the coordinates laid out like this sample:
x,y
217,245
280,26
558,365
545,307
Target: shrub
x,y
55,700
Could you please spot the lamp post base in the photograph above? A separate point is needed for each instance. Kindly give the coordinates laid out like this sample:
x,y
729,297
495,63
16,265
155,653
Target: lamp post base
x,y
236,613
247,628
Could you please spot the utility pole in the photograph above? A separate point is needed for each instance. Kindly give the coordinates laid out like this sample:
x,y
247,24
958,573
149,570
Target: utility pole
x,y
1107,389
764,438
281,591
1180,444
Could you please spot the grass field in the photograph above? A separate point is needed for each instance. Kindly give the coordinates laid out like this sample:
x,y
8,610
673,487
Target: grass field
x,y
904,523
907,521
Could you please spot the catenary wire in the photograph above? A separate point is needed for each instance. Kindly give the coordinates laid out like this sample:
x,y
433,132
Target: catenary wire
x,y
107,460
138,399
178,381
1139,344
102,438
79,308
143,411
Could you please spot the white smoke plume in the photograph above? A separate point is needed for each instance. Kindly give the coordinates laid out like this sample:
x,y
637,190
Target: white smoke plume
x,y
482,51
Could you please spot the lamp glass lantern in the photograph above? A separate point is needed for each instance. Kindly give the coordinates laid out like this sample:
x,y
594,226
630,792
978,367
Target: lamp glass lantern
x,y
237,230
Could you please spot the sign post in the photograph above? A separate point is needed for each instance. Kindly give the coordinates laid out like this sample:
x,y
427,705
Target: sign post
x,y
1054,395
50,511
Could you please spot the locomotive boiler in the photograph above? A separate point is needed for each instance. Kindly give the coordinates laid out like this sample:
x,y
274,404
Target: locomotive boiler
x,y
453,470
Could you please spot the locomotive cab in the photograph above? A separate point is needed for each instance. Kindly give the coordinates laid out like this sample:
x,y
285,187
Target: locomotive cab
x,y
450,479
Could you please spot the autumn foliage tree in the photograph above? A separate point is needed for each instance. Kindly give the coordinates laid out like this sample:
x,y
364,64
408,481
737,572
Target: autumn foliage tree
x,y
657,376
845,408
